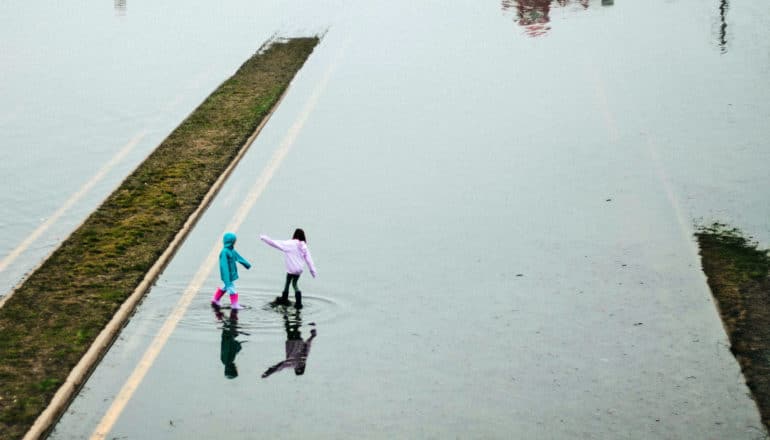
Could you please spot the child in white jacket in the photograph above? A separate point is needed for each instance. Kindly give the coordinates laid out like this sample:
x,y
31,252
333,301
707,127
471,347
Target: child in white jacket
x,y
296,255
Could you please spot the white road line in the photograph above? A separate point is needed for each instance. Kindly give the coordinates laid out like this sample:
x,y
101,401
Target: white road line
x,y
133,382
74,198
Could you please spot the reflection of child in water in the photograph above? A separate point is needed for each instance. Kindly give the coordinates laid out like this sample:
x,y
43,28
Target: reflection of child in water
x,y
297,350
230,346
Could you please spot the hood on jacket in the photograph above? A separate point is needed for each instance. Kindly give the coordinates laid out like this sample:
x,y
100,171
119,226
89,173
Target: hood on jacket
x,y
229,240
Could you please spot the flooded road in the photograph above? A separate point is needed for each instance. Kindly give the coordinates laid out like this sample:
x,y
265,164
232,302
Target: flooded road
x,y
500,199
90,90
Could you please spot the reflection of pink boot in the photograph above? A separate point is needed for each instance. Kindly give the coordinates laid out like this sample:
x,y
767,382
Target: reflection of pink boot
x,y
217,296
234,302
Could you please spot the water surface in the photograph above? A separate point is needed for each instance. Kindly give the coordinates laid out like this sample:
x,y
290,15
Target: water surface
x,y
502,222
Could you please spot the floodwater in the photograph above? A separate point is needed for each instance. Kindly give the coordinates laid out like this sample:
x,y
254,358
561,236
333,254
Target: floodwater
x,y
89,90
499,196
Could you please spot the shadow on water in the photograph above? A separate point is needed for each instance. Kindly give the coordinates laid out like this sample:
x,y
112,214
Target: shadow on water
x,y
297,349
535,15
230,346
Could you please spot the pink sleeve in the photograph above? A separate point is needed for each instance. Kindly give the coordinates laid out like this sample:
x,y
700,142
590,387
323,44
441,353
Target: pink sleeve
x,y
276,244
308,260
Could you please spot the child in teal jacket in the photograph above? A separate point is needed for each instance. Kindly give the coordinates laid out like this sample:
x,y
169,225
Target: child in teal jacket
x,y
228,271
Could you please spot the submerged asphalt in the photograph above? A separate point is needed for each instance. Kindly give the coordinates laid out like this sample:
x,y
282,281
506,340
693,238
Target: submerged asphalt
x,y
501,214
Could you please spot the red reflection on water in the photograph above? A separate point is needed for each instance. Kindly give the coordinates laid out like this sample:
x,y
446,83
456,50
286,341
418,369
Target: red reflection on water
x,y
533,15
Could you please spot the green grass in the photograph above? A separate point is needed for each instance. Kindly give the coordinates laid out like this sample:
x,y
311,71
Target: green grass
x,y
737,272
51,320
746,260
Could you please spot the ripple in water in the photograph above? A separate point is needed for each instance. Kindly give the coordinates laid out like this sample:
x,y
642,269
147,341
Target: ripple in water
x,y
258,315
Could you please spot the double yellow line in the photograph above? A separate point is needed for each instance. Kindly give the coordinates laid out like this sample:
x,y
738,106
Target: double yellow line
x,y
157,344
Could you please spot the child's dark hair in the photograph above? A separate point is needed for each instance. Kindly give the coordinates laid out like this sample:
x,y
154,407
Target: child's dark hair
x,y
299,234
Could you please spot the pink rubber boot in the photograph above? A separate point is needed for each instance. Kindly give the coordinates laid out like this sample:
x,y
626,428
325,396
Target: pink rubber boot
x,y
234,305
217,296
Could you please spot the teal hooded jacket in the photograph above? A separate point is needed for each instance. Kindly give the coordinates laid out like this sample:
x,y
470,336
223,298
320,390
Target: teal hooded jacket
x,y
228,271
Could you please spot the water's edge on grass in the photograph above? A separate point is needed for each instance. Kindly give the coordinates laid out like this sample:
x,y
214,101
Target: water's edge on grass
x,y
43,330
737,273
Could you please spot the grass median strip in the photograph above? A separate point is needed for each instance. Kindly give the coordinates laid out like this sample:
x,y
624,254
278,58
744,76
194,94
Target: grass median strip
x,y
52,319
739,276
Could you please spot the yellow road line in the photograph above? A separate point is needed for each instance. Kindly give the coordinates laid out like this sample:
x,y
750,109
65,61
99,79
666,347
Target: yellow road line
x,y
601,95
684,225
74,198
152,352
660,170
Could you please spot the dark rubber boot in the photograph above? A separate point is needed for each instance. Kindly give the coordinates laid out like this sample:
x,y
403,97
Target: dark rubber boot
x,y
282,300
298,297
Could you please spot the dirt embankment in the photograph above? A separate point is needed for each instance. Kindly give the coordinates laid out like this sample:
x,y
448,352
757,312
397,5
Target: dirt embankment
x,y
50,321
738,274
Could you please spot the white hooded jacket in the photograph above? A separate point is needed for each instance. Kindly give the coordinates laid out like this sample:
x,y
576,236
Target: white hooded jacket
x,y
296,254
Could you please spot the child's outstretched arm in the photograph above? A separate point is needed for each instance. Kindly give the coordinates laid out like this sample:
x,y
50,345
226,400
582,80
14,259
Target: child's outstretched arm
x,y
276,244
309,261
274,368
241,260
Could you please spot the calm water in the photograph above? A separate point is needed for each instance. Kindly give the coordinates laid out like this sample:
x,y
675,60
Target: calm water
x,y
499,196
90,89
